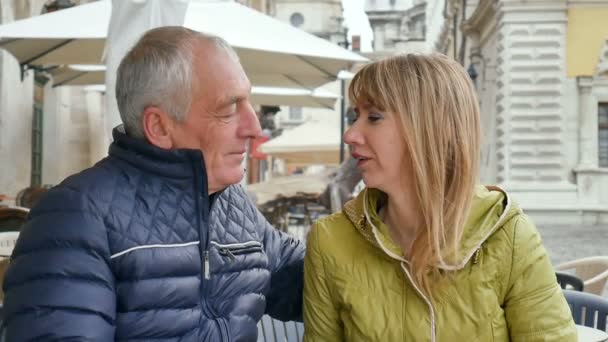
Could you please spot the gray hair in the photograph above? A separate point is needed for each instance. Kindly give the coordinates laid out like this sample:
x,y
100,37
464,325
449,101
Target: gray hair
x,y
158,71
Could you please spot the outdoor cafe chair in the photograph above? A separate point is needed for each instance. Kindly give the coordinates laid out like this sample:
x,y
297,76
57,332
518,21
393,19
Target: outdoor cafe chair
x,y
592,270
569,281
7,243
587,309
272,330
12,218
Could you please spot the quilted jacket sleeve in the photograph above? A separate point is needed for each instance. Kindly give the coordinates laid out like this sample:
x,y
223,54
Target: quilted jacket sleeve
x,y
286,259
535,307
59,285
321,318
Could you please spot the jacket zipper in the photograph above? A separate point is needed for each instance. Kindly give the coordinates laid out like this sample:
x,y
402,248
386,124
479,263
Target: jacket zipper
x,y
232,250
206,266
403,263
203,210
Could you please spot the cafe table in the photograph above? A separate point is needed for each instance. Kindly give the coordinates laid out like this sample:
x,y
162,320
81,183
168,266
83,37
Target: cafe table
x,y
587,334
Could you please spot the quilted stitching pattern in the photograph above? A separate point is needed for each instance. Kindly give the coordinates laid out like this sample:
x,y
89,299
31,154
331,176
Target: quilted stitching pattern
x,y
140,196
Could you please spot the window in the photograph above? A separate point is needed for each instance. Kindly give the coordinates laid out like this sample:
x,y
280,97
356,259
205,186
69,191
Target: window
x,y
603,134
296,19
295,113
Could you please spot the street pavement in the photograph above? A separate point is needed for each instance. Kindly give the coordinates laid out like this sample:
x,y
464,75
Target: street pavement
x,y
569,242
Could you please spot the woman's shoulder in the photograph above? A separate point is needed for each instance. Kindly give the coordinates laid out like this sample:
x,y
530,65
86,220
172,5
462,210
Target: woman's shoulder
x,y
333,226
518,225
336,237
503,218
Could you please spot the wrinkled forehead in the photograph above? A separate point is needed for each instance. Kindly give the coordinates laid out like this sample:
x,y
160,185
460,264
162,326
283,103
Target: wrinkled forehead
x,y
215,60
219,75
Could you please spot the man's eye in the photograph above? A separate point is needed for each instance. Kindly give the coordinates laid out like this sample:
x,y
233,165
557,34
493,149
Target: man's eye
x,y
227,112
230,109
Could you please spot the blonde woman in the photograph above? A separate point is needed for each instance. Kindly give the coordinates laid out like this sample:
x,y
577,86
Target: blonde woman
x,y
424,253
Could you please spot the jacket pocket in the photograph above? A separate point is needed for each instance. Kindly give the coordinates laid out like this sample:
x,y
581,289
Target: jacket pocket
x,y
232,250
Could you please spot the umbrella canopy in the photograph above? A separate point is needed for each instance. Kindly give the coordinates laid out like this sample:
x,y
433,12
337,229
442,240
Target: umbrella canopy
x,y
316,98
288,186
313,142
260,95
273,53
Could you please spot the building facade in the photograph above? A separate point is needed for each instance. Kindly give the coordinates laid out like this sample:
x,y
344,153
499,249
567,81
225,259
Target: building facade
x,y
44,131
537,65
398,25
322,18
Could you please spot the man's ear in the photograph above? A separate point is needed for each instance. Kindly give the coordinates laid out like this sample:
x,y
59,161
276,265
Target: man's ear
x,y
157,127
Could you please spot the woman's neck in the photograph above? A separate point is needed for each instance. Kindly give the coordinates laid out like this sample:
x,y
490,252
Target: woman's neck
x,y
401,215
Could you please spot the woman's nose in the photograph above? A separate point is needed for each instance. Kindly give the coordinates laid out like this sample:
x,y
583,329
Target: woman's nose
x,y
353,136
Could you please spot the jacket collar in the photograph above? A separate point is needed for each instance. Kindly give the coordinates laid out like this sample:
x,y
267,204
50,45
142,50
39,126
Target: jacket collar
x,y
490,209
180,163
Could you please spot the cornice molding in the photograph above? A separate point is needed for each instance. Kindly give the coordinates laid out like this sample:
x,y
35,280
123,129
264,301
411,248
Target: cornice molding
x,y
602,67
484,11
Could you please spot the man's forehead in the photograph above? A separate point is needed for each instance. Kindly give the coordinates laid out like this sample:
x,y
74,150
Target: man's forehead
x,y
217,73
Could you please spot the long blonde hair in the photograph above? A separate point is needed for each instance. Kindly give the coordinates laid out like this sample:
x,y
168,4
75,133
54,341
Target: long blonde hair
x,y
435,104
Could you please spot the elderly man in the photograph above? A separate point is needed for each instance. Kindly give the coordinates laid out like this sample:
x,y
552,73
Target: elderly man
x,y
156,241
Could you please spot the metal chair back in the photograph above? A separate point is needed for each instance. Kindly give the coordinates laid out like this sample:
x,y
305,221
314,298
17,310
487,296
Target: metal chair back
x,y
272,330
569,281
588,309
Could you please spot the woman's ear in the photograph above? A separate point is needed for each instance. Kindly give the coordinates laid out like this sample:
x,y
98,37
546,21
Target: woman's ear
x,y
157,127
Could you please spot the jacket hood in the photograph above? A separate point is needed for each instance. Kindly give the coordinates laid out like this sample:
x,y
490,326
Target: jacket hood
x,y
491,209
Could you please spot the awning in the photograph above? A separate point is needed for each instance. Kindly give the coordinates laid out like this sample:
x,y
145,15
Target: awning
x,y
315,142
259,95
273,53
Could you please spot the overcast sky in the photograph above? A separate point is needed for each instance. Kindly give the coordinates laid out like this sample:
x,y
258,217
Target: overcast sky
x,y
357,23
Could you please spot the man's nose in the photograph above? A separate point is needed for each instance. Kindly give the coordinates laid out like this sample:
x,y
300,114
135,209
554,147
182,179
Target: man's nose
x,y
250,124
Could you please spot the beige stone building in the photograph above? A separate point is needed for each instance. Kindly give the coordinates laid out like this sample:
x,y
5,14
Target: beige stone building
x,y
40,142
539,69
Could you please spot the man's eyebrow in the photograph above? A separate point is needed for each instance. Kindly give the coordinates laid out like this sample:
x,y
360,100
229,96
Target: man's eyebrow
x,y
227,101
231,99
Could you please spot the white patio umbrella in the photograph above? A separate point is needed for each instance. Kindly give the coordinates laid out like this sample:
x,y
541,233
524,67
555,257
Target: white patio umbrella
x,y
263,95
313,142
272,96
273,53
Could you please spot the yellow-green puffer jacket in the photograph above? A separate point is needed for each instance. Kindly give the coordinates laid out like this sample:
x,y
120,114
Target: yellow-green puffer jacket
x,y
357,286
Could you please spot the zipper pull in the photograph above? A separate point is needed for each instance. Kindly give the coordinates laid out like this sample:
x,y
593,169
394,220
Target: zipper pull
x,y
227,252
476,256
206,258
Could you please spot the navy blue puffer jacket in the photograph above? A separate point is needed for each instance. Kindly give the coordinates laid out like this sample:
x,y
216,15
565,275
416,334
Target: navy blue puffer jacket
x,y
132,250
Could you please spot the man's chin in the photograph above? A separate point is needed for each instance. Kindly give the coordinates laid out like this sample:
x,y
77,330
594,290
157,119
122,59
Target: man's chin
x,y
225,180
234,177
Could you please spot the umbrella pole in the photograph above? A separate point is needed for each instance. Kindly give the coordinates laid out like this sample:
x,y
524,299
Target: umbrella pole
x,y
342,119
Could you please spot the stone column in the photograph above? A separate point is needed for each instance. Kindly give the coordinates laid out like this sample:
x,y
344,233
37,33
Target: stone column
x,y
99,140
587,124
529,108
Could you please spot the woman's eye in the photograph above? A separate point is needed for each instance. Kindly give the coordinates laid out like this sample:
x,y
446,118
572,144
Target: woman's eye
x,y
374,117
